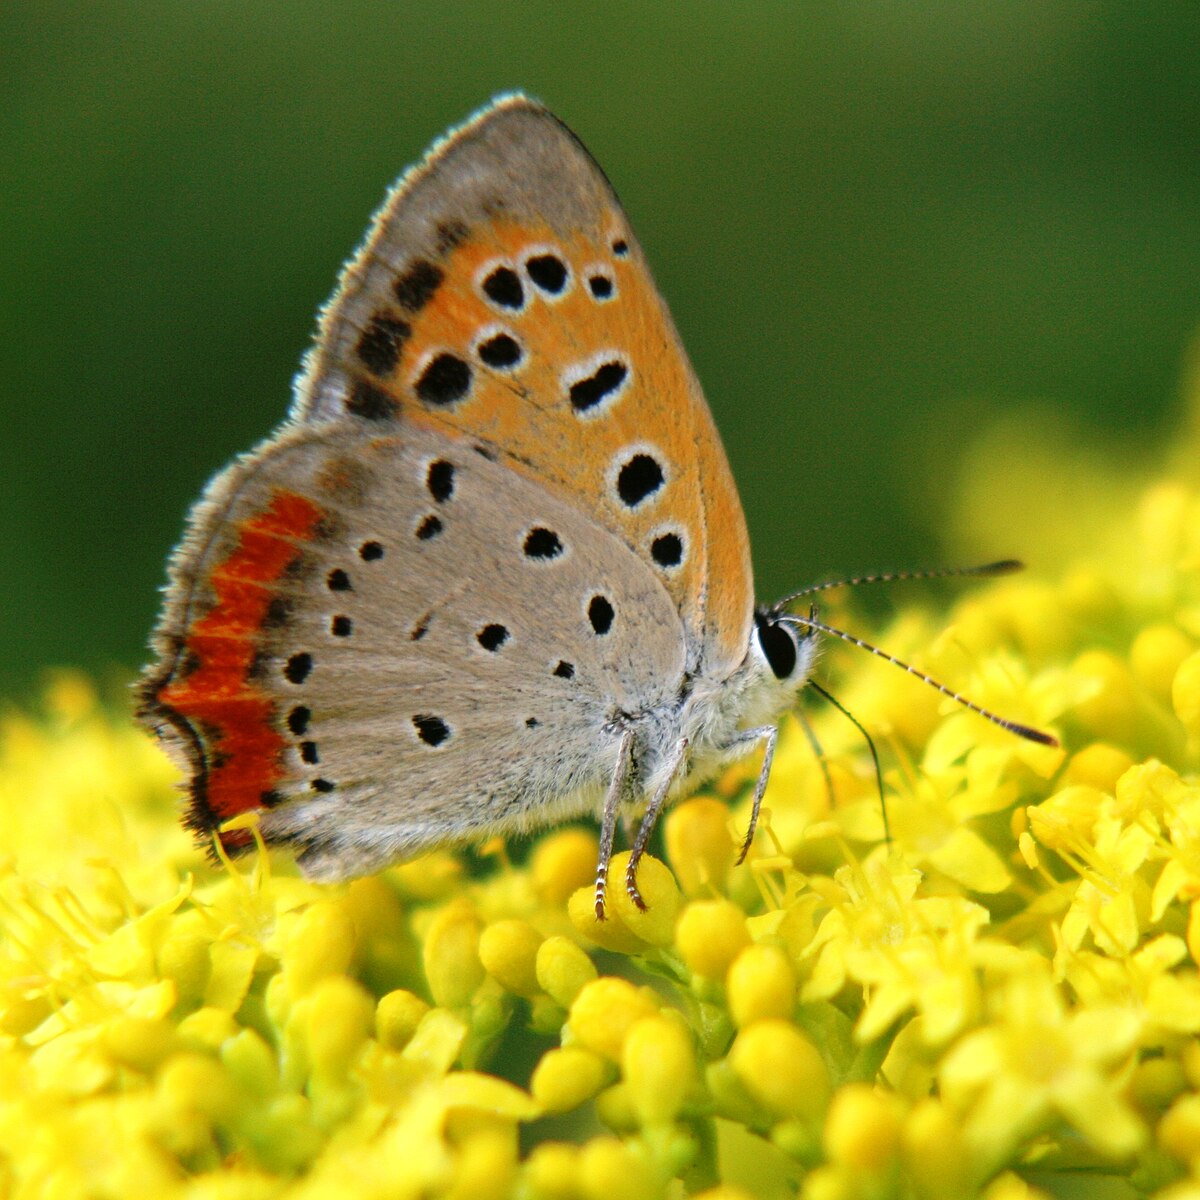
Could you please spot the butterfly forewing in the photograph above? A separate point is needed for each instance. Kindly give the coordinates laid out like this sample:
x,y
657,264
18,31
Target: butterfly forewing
x,y
502,296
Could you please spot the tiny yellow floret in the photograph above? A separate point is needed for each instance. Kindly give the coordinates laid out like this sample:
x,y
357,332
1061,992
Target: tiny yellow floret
x,y
451,954
339,1017
397,1016
781,1068
567,1077
862,1129
508,950
699,847
710,935
761,983
562,969
604,1012
658,1063
562,862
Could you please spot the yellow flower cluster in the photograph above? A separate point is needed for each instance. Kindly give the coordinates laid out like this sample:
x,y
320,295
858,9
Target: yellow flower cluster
x,y
1003,1003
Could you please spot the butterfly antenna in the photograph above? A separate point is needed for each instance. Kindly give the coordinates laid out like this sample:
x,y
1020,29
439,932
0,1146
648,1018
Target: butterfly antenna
x,y
1022,731
816,687
1005,566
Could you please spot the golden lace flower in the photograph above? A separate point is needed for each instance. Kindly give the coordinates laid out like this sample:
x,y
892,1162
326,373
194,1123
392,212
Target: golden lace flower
x,y
1004,999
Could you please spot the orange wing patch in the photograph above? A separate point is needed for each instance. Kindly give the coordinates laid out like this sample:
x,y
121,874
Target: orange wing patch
x,y
557,354
226,722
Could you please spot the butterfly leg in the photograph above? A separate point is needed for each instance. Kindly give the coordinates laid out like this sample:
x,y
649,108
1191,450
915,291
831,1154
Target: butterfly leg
x,y
742,744
649,820
608,822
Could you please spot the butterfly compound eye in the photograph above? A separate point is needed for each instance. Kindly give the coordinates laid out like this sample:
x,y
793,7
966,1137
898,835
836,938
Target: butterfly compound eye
x,y
778,645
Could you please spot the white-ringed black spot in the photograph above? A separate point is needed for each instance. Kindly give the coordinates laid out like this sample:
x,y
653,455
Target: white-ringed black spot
x,y
501,352
503,287
308,752
439,479
667,550
532,722
542,543
430,527
492,637
341,626
433,731
446,379
565,670
370,551
548,272
297,668
620,247
338,581
603,383
600,613
639,477
298,719
601,287
323,786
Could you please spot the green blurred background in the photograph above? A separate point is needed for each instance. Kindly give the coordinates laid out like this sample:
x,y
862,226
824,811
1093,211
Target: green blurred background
x,y
880,227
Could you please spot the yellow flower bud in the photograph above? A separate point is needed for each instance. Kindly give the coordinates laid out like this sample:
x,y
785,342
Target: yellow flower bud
x,y
710,935
251,1063
195,1083
338,1019
658,1062
451,955
397,1016
656,923
561,863
781,1068
139,1042
1185,694
699,847
604,1012
552,1171
611,933
862,1129
1110,711
320,943
1179,1130
1155,656
207,1028
610,1170
1098,766
562,969
568,1077
934,1153
761,983
508,950
486,1165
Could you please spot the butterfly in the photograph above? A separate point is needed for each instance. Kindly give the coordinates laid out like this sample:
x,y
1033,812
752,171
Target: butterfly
x,y
492,573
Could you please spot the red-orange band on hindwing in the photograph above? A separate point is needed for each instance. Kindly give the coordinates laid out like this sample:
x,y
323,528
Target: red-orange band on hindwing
x,y
233,721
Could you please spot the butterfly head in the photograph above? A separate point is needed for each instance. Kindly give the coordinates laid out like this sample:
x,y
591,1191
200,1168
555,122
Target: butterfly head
x,y
779,660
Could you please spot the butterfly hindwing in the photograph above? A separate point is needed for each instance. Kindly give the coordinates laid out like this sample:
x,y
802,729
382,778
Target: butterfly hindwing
x,y
384,640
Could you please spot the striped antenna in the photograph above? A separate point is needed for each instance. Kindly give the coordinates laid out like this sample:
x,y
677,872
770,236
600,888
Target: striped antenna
x,y
1023,731
1006,566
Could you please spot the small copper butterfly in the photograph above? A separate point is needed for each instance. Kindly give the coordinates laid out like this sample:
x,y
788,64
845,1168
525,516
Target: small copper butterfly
x,y
493,571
